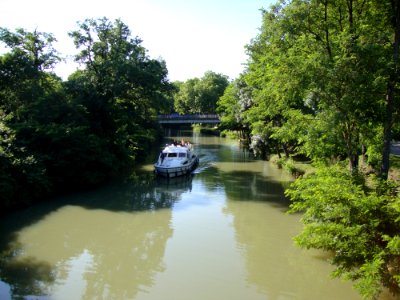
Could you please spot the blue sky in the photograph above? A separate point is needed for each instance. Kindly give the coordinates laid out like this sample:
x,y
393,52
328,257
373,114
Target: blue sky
x,y
192,36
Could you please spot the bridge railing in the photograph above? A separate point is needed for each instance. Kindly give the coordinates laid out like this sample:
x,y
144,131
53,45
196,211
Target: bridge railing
x,y
194,118
188,117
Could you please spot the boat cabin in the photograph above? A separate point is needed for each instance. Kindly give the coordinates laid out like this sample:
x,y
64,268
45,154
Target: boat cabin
x,y
175,152
176,160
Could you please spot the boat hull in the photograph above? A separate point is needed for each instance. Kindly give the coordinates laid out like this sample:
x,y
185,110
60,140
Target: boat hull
x,y
171,172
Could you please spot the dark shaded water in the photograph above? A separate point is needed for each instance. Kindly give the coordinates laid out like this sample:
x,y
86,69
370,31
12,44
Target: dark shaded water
x,y
220,234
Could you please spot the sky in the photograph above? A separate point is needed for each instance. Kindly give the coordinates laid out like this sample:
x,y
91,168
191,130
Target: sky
x,y
192,36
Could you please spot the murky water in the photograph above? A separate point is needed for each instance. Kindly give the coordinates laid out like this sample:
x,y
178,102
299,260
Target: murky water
x,y
221,234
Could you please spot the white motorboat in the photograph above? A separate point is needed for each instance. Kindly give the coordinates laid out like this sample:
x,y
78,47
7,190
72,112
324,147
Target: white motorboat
x,y
176,160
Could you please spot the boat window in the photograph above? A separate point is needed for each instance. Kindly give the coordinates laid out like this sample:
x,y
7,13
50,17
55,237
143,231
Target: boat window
x,y
172,154
182,154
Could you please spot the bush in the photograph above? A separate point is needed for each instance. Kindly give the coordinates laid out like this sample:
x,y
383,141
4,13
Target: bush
x,y
290,166
358,224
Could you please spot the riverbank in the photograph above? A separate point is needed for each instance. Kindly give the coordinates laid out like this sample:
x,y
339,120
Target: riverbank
x,y
206,130
300,167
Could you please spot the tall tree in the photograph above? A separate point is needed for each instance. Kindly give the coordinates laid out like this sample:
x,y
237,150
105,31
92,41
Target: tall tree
x,y
210,87
231,108
124,89
320,57
36,46
391,16
200,95
185,97
276,74
22,77
27,92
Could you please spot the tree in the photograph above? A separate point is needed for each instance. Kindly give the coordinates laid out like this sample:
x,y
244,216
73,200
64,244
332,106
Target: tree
x,y
36,46
121,88
200,95
59,136
211,87
24,84
22,76
228,108
358,225
392,15
232,106
323,75
185,97
319,57
276,74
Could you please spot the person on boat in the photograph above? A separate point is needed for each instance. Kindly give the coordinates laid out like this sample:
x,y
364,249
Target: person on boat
x,y
162,156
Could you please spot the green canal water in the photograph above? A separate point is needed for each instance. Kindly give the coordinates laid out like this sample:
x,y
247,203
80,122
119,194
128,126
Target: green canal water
x,y
222,233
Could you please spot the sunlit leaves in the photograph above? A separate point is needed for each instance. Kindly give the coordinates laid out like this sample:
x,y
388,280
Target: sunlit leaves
x,y
36,46
327,60
124,88
57,136
200,95
355,222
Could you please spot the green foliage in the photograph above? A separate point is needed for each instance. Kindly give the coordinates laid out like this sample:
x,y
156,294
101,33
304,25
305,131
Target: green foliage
x,y
227,107
317,75
200,95
185,97
322,141
290,167
320,78
36,47
357,224
373,139
18,168
59,136
232,104
122,88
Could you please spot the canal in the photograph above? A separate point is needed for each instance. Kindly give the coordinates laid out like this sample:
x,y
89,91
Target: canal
x,y
222,233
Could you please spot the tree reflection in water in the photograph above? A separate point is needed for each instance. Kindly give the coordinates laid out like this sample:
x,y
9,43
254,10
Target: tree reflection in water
x,y
28,275
89,238
228,238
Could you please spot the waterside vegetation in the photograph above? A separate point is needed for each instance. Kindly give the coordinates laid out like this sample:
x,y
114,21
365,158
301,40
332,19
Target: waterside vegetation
x,y
321,84
58,136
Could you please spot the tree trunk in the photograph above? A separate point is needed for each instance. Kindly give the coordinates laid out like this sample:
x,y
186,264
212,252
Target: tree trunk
x,y
387,133
364,154
285,150
353,161
393,79
278,151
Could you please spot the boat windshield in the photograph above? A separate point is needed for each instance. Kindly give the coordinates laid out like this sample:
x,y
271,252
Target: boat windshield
x,y
172,154
181,154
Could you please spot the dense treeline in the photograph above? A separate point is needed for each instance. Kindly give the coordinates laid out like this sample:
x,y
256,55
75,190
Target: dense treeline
x,y
322,82
59,135
199,95
319,81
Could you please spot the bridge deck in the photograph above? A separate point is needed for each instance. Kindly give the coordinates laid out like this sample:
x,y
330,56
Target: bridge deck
x,y
189,119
